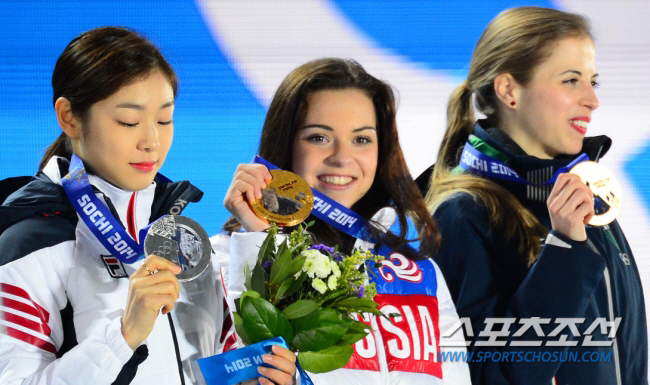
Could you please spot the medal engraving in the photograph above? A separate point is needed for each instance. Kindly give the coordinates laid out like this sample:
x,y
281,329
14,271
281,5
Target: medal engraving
x,y
182,241
607,191
287,200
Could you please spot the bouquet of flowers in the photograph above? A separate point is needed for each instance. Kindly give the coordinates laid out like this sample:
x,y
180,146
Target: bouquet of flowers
x,y
306,293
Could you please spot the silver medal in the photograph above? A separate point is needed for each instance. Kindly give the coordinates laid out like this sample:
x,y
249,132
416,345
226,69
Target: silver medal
x,y
182,241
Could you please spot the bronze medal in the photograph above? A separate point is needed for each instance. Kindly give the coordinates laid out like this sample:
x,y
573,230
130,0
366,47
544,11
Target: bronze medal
x,y
287,200
607,191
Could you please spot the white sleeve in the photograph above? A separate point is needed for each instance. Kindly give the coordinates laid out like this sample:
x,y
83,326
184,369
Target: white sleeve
x,y
242,248
32,294
453,371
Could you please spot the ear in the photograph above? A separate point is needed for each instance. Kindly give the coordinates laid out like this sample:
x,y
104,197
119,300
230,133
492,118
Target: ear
x,y
67,120
507,90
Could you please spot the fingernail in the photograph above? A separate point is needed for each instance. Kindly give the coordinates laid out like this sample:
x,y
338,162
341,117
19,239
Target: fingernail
x,y
267,358
261,369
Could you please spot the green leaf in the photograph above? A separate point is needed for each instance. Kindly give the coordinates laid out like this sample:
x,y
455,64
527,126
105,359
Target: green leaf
x,y
297,264
356,331
284,286
249,293
268,246
247,277
358,327
351,338
357,303
333,297
258,281
325,360
239,326
300,308
262,320
296,285
282,265
319,329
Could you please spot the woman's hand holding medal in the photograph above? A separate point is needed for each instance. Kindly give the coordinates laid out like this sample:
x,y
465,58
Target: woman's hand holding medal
x,y
571,206
148,293
246,186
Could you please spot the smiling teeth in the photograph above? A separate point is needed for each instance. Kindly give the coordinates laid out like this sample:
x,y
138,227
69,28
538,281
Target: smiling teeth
x,y
339,180
579,123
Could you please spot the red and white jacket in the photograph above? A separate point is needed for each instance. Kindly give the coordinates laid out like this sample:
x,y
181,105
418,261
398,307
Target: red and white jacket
x,y
62,295
402,352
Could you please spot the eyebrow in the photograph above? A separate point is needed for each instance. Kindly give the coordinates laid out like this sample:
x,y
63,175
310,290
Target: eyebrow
x,y
328,128
577,73
141,107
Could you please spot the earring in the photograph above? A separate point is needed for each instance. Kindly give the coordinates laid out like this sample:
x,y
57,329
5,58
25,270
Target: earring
x,y
512,103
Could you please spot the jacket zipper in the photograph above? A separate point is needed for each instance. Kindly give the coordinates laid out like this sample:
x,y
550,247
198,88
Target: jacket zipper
x,y
610,302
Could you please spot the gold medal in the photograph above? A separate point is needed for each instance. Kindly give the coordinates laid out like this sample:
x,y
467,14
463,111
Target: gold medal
x,y
287,200
607,191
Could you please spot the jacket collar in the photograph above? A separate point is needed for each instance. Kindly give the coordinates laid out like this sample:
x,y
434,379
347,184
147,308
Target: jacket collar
x,y
534,170
595,147
45,195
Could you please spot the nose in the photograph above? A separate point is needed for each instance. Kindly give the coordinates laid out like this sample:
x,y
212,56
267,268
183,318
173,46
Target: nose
x,y
150,140
340,155
590,100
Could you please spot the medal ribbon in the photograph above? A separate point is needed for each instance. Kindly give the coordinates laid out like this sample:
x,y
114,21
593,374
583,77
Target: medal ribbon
x,y
476,162
342,218
330,211
240,365
106,228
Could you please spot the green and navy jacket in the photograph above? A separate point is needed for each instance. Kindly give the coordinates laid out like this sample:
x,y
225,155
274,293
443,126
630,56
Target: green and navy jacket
x,y
585,281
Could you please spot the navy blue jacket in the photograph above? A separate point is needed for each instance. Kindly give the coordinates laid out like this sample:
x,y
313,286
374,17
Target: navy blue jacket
x,y
488,278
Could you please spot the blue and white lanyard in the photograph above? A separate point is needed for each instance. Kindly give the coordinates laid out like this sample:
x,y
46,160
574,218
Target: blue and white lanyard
x,y
476,162
106,228
330,211
338,216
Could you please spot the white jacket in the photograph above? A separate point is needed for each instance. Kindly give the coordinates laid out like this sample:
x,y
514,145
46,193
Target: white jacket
x,y
393,354
63,284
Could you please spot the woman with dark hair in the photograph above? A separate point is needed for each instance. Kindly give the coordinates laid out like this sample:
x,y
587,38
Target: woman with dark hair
x,y
499,186
333,124
67,315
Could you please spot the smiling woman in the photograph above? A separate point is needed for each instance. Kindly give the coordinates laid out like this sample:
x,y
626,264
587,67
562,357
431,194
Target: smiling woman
x,y
333,124
336,149
533,74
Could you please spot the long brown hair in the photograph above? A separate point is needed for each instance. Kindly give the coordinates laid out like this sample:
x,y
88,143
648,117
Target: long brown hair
x,y
94,66
515,42
393,185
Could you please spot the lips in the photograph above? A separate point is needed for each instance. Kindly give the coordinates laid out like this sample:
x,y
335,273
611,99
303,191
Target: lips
x,y
580,124
336,181
143,166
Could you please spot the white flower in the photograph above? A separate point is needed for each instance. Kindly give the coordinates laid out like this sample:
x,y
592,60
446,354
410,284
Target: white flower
x,y
331,282
319,285
316,264
311,254
335,270
309,267
323,267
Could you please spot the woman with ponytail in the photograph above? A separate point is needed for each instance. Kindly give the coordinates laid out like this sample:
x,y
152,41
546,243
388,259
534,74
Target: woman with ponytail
x,y
518,256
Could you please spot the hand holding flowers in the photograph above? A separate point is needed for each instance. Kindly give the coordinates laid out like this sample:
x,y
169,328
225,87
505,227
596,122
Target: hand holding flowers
x,y
306,293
